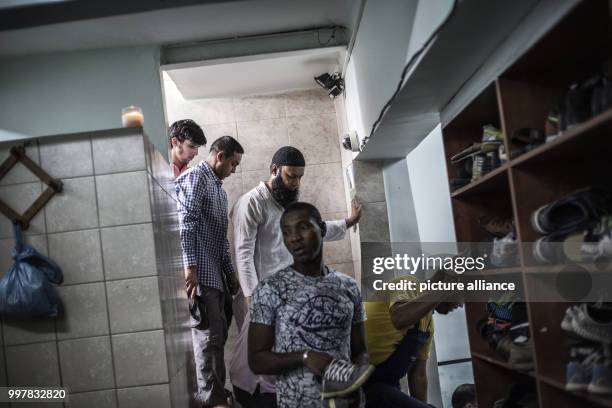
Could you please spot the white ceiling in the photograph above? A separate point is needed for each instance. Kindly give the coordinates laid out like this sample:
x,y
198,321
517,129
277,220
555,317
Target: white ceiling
x,y
261,74
179,25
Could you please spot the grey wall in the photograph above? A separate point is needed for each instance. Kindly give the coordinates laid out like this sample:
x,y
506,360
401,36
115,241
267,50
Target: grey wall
x,y
81,91
429,184
378,56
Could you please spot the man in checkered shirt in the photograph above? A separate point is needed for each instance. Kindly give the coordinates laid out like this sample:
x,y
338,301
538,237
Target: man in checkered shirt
x,y
209,274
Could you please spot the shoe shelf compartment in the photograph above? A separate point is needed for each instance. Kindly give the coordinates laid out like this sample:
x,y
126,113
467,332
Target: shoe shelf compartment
x,y
502,364
495,380
491,181
555,395
591,138
522,97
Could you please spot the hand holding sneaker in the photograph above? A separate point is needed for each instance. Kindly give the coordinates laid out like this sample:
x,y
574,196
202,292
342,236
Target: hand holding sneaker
x,y
316,361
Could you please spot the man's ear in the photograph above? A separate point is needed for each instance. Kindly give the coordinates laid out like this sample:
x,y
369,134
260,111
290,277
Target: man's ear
x,y
220,156
274,170
174,141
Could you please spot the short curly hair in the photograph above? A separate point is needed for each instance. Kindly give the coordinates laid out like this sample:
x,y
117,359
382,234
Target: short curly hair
x,y
312,212
187,129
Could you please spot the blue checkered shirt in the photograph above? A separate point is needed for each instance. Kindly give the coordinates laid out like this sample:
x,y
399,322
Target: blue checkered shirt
x,y
202,210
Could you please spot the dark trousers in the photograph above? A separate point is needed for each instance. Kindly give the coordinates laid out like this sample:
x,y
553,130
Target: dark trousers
x,y
209,333
383,388
255,400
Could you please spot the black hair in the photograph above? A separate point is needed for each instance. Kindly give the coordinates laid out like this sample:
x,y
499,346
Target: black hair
x,y
312,212
187,129
463,395
228,145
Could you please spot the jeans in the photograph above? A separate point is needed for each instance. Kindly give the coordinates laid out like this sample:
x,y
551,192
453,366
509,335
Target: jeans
x,y
380,394
256,400
383,388
209,333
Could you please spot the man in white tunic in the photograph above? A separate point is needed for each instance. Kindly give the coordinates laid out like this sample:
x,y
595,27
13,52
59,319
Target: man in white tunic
x,y
260,252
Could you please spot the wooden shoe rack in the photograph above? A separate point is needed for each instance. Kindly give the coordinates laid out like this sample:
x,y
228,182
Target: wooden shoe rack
x,y
521,97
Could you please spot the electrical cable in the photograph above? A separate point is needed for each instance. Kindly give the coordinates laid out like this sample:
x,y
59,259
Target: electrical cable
x,y
407,67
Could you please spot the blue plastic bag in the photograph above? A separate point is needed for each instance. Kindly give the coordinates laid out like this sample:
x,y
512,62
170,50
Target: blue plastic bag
x,y
26,290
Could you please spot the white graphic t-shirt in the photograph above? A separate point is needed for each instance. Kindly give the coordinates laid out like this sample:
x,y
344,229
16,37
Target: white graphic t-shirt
x,y
307,313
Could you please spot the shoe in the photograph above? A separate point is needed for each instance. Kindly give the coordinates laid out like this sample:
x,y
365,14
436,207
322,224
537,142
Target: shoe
x,y
601,381
579,371
574,212
504,251
477,167
597,242
601,99
342,378
503,346
497,227
552,127
593,324
549,249
568,319
469,151
521,355
578,100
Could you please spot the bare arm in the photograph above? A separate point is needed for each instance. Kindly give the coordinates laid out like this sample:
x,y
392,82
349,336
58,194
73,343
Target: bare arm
x,y
407,314
417,380
359,352
262,360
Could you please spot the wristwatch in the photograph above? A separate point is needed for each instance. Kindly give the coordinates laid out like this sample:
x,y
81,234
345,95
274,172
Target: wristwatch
x,y
305,356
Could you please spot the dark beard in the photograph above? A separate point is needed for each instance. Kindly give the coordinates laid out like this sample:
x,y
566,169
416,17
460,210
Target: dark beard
x,y
282,194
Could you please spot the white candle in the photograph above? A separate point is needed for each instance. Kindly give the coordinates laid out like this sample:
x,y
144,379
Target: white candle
x,y
132,117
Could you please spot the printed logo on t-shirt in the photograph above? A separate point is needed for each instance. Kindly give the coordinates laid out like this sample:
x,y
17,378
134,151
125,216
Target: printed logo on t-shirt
x,y
321,321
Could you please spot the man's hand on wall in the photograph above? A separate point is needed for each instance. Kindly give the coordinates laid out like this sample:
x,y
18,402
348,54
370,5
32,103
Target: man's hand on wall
x,y
355,213
191,281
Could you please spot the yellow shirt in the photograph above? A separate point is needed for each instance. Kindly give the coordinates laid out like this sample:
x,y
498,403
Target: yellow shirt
x,y
382,336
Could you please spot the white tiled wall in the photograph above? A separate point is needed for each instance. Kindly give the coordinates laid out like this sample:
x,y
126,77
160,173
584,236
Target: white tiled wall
x,y
122,338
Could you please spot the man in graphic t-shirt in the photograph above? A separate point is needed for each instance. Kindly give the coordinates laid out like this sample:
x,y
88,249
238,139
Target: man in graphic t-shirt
x,y
307,321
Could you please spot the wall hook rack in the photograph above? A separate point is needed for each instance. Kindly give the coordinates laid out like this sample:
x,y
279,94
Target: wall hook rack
x,y
18,154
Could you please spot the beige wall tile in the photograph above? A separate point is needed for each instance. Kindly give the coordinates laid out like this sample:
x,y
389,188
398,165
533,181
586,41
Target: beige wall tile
x,y
209,111
19,173
260,140
308,102
19,197
322,185
259,107
316,136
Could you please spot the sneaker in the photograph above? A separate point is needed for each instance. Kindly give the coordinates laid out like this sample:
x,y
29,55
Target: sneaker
x,y
521,355
590,324
497,227
568,319
343,378
549,249
504,251
577,211
597,242
477,167
578,374
601,381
